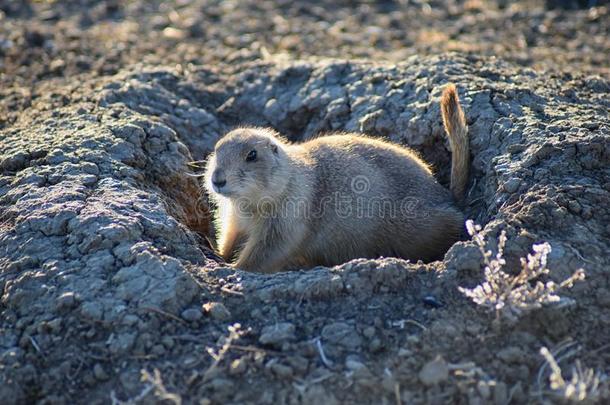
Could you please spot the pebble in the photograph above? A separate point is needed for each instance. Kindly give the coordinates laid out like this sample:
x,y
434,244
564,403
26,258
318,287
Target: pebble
x,y
65,301
122,343
99,372
221,384
434,372
54,325
158,350
280,370
512,185
354,365
217,310
191,314
375,345
431,301
168,341
369,332
174,33
342,334
130,320
277,334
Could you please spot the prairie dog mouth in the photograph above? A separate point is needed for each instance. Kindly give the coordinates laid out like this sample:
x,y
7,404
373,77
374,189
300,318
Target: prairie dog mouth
x,y
223,191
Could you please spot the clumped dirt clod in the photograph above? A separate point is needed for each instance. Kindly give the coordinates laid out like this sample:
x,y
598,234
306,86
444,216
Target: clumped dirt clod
x,y
106,276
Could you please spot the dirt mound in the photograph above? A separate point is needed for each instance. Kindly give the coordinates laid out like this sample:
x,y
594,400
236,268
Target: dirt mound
x,y
106,270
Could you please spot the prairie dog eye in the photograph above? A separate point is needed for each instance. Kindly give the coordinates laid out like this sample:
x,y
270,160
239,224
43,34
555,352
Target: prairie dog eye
x,y
251,156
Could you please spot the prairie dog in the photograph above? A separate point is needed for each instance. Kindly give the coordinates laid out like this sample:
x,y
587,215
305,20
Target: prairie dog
x,y
284,206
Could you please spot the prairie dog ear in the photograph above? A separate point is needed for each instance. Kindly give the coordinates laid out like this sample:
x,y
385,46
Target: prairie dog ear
x,y
273,145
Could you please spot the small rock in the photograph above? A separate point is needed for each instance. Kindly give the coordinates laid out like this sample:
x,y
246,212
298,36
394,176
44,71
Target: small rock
x,y
191,314
388,383
402,352
280,370
174,33
354,365
369,332
130,320
6,44
89,380
167,341
375,345
88,179
65,301
122,343
363,376
190,361
434,372
217,310
15,162
431,301
99,372
221,385
512,185
464,257
340,333
54,325
11,356
511,355
413,339
158,350
277,334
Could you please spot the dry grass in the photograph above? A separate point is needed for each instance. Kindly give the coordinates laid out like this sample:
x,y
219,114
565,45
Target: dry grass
x,y
513,295
155,387
585,385
235,333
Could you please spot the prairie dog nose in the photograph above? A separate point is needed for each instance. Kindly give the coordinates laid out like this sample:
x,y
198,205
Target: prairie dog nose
x,y
218,178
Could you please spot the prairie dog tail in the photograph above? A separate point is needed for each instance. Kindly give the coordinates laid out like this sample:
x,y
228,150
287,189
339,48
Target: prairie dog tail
x,y
457,132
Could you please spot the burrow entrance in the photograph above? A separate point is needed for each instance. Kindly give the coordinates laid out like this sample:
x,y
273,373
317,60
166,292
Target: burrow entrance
x,y
303,100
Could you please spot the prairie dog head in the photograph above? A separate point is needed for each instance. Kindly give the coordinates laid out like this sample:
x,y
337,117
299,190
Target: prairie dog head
x,y
247,163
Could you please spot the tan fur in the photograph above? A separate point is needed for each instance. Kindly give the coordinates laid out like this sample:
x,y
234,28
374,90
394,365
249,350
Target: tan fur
x,y
331,199
457,132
